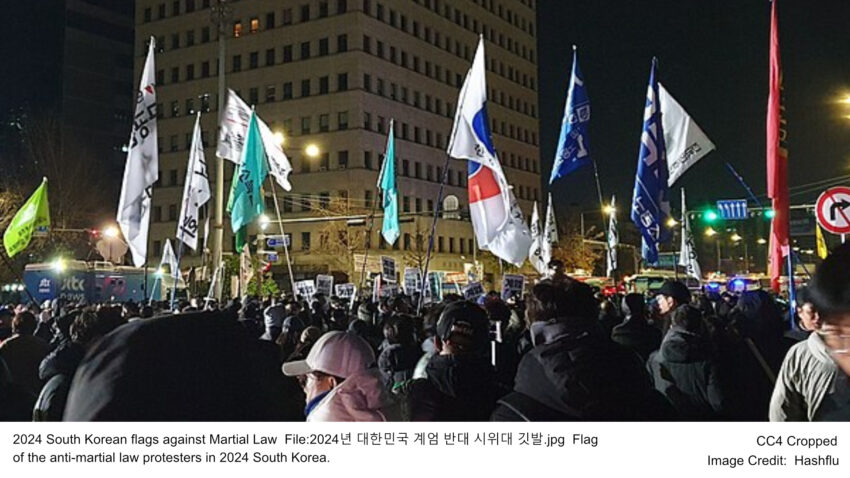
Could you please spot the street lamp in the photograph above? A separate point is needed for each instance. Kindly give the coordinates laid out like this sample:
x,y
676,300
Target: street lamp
x,y
671,223
761,241
279,138
609,210
264,222
312,151
111,232
710,232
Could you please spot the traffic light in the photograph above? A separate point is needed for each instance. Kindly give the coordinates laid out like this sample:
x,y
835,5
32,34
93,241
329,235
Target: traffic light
x,y
770,214
710,215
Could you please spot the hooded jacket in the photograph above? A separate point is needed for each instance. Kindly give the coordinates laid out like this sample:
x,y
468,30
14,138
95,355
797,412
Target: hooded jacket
x,y
456,388
807,379
57,370
361,397
685,371
575,373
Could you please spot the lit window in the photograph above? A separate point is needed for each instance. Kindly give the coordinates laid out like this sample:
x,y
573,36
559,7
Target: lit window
x,y
237,29
255,25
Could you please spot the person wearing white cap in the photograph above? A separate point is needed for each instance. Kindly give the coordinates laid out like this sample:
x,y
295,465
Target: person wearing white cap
x,y
341,381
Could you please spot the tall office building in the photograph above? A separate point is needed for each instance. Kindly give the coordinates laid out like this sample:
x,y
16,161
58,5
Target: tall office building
x,y
329,75
72,80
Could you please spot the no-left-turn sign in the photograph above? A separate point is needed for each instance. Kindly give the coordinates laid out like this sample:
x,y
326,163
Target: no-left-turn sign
x,y
833,210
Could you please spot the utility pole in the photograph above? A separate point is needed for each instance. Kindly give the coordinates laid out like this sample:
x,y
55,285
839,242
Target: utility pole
x,y
220,14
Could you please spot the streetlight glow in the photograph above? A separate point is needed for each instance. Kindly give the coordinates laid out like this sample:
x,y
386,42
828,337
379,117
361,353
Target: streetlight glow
x,y
710,232
609,210
312,150
762,241
279,138
671,223
59,265
264,221
111,232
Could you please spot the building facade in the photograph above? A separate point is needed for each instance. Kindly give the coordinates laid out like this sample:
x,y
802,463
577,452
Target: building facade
x,y
330,75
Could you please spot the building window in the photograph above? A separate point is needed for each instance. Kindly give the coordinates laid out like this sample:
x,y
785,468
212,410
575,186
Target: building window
x,y
367,82
341,43
205,69
305,241
405,201
237,63
367,163
305,13
147,15
305,50
205,35
172,212
341,6
440,246
157,214
323,47
325,162
342,159
367,196
367,121
405,168
305,125
190,106
205,103
324,85
237,29
287,90
175,75
190,38
175,41
286,18
324,200
342,120
367,44
342,82
270,57
254,60
270,93
323,9
305,88
255,25
269,20
324,123
287,53
253,96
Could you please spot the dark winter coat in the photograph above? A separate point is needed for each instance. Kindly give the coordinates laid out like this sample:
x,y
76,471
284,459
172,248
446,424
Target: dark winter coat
x,y
397,362
575,373
636,334
57,370
457,388
684,369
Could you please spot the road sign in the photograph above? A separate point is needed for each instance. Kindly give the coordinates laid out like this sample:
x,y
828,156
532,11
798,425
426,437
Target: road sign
x,y
277,241
732,209
272,257
833,210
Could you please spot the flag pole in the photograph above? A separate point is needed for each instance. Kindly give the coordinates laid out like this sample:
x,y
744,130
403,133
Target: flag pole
x,y
285,245
437,208
369,241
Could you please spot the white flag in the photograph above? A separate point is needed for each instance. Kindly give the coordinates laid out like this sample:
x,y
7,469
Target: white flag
x,y
170,260
550,233
496,217
246,269
535,251
196,191
688,253
142,168
613,240
686,142
231,139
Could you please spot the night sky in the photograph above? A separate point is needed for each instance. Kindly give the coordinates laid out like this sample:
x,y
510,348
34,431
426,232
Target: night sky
x,y
713,58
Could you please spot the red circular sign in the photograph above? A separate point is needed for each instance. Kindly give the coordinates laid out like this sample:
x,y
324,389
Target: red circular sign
x,y
833,210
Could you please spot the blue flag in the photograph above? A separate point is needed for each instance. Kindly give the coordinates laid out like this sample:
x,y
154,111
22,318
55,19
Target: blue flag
x,y
573,144
650,201
246,197
386,181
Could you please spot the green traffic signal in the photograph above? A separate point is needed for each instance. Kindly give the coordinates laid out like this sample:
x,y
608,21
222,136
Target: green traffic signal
x,y
770,214
710,216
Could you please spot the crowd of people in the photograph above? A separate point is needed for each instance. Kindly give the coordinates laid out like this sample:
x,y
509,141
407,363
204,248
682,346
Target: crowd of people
x,y
562,352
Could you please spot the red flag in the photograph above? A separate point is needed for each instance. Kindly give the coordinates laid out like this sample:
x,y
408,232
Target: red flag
x,y
777,157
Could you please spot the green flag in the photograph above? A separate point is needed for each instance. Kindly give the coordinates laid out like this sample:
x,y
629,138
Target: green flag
x,y
33,216
246,201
